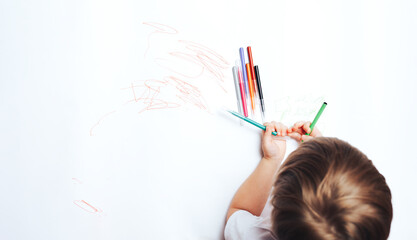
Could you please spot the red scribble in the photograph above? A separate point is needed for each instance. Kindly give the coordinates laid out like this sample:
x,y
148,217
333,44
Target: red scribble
x,y
77,181
159,28
101,119
201,49
173,91
204,57
151,88
188,92
86,206
212,61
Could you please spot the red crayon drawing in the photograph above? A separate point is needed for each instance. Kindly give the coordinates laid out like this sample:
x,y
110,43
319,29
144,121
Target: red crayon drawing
x,y
202,58
147,94
188,92
86,206
213,62
189,65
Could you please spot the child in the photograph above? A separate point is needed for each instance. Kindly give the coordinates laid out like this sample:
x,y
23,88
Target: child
x,y
326,189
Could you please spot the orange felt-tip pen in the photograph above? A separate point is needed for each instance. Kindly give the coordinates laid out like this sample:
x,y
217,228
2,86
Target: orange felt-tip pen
x,y
255,87
251,92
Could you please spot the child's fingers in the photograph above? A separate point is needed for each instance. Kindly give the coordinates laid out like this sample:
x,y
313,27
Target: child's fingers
x,y
295,135
284,130
280,128
306,127
268,131
316,133
275,127
306,138
298,125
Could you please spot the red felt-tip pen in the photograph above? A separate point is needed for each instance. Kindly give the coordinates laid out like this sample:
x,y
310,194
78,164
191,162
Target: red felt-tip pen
x,y
242,93
252,70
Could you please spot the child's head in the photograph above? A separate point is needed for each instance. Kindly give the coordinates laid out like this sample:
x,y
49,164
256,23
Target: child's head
x,y
327,189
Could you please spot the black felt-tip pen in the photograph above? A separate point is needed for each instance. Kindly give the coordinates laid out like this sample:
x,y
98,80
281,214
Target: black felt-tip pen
x,y
261,97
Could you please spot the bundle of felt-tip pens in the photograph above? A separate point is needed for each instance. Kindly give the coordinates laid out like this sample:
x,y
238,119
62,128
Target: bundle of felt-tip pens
x,y
248,86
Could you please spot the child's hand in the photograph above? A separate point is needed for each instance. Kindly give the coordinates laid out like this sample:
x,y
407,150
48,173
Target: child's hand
x,y
274,147
299,130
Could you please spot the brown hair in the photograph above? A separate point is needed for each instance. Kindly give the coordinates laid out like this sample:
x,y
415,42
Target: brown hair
x,y
328,189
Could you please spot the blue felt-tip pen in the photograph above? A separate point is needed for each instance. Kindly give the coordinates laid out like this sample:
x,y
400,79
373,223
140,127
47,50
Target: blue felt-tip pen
x,y
244,73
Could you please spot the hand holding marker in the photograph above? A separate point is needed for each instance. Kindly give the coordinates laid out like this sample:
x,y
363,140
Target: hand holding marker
x,y
275,133
302,128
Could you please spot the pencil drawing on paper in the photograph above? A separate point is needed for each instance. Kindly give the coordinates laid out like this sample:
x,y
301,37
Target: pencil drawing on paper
x,y
292,109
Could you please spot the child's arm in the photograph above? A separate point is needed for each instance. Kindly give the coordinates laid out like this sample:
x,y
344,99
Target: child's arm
x,y
254,192
299,130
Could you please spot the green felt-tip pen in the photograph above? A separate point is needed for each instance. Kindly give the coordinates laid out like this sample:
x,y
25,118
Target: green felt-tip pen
x,y
317,117
250,121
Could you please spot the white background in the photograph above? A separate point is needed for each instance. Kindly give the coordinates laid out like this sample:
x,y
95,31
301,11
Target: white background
x,y
68,132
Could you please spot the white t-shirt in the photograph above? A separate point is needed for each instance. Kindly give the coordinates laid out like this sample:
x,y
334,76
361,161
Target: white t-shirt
x,y
244,225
